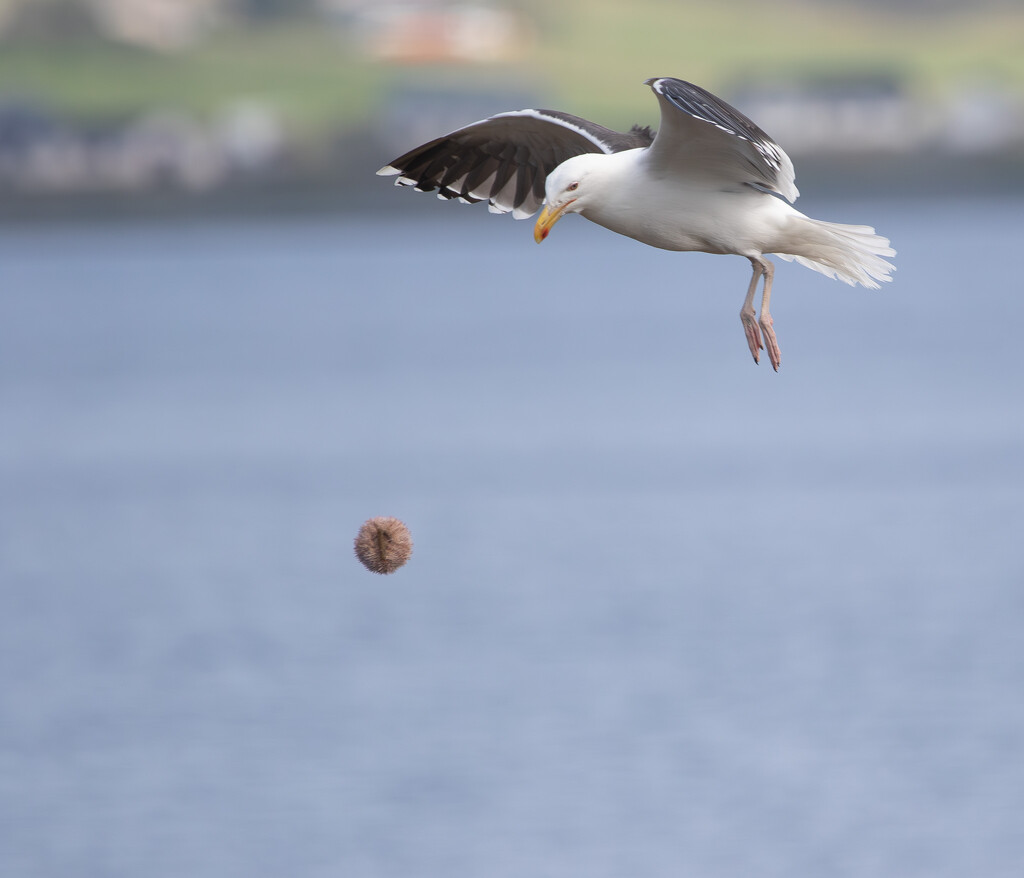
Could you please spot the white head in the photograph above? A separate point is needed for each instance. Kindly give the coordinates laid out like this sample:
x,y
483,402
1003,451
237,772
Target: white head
x,y
569,189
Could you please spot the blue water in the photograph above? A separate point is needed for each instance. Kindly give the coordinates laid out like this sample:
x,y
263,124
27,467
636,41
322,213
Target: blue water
x,y
668,613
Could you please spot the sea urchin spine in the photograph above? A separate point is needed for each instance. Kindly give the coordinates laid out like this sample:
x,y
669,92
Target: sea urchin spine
x,y
383,544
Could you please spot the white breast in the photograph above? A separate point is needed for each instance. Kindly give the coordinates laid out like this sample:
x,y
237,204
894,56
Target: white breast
x,y
683,212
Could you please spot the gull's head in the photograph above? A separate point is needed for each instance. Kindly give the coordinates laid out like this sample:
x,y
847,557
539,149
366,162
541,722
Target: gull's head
x,y
568,189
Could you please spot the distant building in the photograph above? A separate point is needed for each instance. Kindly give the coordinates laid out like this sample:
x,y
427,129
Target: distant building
x,y
433,32
162,25
841,114
874,114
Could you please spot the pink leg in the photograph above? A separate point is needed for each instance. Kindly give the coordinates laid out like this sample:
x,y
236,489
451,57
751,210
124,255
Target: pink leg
x,y
747,316
766,322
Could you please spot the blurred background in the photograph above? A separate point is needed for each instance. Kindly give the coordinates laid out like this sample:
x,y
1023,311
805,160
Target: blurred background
x,y
668,613
276,100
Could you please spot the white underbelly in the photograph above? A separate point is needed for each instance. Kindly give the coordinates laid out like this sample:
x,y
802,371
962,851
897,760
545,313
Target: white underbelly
x,y
741,220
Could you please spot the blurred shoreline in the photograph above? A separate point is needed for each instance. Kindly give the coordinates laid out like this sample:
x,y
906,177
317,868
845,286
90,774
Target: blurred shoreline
x,y
134,108
356,189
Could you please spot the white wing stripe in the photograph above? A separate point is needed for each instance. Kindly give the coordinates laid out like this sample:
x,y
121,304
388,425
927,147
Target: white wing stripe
x,y
544,117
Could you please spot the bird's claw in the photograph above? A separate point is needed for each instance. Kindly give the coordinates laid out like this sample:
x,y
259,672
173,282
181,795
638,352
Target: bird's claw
x,y
770,342
753,338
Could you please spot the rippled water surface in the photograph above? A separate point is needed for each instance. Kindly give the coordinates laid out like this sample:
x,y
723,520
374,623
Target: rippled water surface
x,y
668,613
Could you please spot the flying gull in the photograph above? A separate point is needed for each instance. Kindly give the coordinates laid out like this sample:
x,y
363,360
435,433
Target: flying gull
x,y
710,180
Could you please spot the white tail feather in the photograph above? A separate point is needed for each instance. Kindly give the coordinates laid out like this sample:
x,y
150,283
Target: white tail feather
x,y
852,254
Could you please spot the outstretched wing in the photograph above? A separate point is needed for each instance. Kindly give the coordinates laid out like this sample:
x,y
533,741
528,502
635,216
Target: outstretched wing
x,y
701,135
504,160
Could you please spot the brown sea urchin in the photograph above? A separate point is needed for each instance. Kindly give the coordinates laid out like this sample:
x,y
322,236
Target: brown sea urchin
x,y
383,544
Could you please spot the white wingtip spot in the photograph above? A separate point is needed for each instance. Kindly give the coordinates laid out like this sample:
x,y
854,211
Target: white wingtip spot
x,y
387,171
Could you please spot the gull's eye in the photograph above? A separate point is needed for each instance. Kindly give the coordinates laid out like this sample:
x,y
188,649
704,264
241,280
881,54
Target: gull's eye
x,y
573,187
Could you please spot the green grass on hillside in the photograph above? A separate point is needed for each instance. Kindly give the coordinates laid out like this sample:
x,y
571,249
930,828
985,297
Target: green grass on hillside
x,y
588,55
304,71
717,42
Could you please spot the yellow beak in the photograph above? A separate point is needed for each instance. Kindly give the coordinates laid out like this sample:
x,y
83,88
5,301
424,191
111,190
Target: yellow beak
x,y
546,220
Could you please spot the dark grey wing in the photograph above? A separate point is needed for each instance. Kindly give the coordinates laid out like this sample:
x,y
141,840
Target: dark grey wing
x,y
504,160
701,135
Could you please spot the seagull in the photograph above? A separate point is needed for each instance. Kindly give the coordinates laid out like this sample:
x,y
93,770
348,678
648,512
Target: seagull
x,y
709,180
